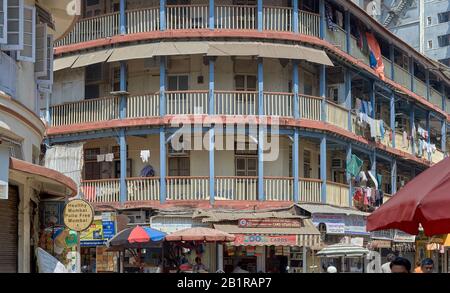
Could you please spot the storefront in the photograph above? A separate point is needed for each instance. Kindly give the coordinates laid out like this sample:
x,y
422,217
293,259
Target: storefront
x,y
434,248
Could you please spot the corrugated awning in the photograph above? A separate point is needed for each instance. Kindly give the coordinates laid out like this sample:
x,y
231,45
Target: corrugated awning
x,y
233,49
92,58
64,62
138,52
180,48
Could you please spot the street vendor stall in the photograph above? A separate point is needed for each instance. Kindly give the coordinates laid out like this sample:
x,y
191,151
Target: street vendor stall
x,y
346,258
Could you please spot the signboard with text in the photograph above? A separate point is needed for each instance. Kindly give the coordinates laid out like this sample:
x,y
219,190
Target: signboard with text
x,y
270,223
78,215
258,239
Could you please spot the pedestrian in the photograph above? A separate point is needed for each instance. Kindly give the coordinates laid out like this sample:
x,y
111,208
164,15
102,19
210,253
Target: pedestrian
x,y
199,266
418,268
386,267
427,266
238,269
400,265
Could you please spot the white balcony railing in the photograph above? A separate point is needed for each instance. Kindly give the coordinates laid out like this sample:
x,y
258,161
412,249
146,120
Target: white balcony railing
x,y
187,102
240,17
310,190
236,188
337,38
277,19
338,194
97,191
278,189
236,103
85,111
143,106
278,104
142,20
309,23
187,188
337,115
183,17
310,107
143,189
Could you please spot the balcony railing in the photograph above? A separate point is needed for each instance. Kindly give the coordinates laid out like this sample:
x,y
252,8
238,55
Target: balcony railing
x,y
357,52
402,76
277,19
420,87
85,111
187,102
401,145
142,20
278,188
338,194
310,107
337,38
97,191
387,67
337,115
435,97
183,17
310,190
278,104
143,189
236,103
187,188
309,23
236,17
143,106
236,188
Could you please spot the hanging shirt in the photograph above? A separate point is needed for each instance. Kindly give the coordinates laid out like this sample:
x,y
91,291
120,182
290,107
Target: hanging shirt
x,y
362,176
358,104
145,155
100,158
405,139
382,130
109,157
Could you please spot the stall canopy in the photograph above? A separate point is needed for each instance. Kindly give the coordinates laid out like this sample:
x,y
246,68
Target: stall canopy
x,y
200,234
136,237
343,250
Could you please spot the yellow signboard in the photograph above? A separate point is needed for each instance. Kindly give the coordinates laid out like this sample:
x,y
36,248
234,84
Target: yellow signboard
x,y
78,215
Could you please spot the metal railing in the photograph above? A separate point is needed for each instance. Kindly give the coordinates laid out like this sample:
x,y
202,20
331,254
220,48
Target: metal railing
x,y
106,190
337,115
187,188
309,23
86,111
143,189
310,190
337,194
240,17
402,76
387,67
277,19
420,88
142,20
435,97
401,145
236,188
337,38
143,106
278,188
278,104
310,107
236,103
187,102
183,17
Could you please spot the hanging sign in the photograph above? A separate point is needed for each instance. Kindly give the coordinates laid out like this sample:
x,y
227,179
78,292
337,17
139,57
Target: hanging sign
x,y
270,223
78,215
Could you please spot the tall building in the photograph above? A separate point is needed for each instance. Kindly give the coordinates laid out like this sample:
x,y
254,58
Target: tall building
x,y
27,29
336,92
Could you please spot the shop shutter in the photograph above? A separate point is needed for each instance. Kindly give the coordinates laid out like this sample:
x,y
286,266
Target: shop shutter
x,y
48,78
29,35
40,65
15,26
3,21
9,232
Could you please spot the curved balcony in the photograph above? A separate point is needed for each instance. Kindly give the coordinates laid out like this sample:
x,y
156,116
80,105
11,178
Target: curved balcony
x,y
192,17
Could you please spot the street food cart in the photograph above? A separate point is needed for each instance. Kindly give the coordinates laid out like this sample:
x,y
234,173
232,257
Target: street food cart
x,y
345,257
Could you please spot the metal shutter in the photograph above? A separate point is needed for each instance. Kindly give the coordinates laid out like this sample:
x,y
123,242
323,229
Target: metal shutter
x,y
9,232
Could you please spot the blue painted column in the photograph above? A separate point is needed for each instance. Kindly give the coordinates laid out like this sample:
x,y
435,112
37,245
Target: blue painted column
x,y
211,15
373,161
428,129
162,86
372,98
123,17
261,195
444,98
211,103
322,24
323,91
349,177
212,189
295,163
411,123
392,58
323,167
295,16
392,117
347,32
348,96
393,176
162,163
427,77
162,15
444,136
260,15
295,83
48,113
122,136
411,72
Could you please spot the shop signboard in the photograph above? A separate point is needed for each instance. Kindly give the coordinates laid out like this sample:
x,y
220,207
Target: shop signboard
x,y
93,236
109,225
270,223
355,225
335,223
401,236
269,240
78,215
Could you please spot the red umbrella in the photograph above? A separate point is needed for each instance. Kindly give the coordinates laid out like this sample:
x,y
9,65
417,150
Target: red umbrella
x,y
425,200
200,234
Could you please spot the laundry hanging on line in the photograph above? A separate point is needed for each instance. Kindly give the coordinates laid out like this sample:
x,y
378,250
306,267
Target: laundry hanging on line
x,y
354,166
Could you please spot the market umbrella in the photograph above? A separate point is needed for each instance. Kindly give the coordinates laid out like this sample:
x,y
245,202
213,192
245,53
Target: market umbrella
x,y
136,237
423,201
200,234
342,250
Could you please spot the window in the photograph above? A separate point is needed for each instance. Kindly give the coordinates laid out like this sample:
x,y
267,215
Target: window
x,y
429,20
47,79
178,83
245,148
40,65
3,21
444,17
245,82
244,2
430,44
29,34
179,166
246,166
14,26
93,8
94,77
92,170
444,40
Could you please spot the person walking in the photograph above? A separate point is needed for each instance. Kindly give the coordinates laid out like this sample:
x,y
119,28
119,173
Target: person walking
x,y
427,266
386,267
400,265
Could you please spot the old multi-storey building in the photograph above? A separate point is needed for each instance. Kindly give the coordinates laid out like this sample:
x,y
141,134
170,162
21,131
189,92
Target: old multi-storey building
x,y
131,72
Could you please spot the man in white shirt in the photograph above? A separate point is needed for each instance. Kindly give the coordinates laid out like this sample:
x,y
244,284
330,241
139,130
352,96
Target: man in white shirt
x,y
238,269
386,268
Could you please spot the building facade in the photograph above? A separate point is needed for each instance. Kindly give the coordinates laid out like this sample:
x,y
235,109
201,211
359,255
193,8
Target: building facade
x,y
280,99
26,32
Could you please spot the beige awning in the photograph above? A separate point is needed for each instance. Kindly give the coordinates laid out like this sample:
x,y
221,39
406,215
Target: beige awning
x,y
315,56
180,48
92,58
279,51
233,49
133,52
64,62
